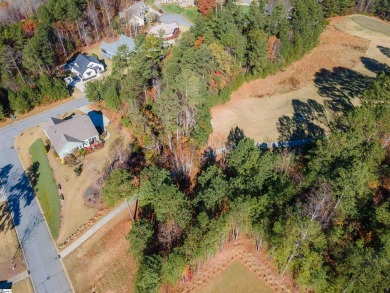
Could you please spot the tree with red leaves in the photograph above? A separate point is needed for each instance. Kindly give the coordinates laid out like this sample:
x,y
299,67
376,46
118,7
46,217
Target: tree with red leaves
x,y
204,6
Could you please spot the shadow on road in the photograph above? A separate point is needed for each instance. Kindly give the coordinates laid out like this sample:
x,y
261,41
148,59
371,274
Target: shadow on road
x,y
19,193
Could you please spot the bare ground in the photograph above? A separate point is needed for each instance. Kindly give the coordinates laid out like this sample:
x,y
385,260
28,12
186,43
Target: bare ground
x,y
257,106
23,286
103,263
11,257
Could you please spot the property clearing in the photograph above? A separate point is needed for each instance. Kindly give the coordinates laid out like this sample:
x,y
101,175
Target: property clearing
x,y
239,267
45,186
236,278
103,263
332,74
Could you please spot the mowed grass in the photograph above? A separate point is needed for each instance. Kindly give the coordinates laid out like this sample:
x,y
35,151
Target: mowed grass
x,y
46,187
236,278
372,24
191,14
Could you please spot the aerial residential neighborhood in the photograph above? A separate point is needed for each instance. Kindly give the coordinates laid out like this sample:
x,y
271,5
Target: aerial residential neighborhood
x,y
194,146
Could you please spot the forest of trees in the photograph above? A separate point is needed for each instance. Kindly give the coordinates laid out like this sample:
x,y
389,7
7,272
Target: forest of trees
x,y
33,49
322,212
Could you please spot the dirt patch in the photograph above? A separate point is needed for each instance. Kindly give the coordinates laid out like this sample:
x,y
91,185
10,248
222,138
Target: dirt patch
x,y
244,252
103,264
257,106
23,286
11,257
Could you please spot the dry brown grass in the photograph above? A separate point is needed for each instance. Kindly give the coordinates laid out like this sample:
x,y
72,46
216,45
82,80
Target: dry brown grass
x,y
257,106
103,264
23,286
10,254
244,252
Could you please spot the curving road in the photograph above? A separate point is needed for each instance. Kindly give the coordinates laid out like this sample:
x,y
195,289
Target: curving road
x,y
46,269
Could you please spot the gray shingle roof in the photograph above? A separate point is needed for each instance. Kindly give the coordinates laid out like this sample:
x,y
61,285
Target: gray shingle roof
x,y
81,62
76,129
112,48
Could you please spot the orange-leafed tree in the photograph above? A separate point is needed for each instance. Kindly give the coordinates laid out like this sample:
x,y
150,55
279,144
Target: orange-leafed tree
x,y
273,48
204,6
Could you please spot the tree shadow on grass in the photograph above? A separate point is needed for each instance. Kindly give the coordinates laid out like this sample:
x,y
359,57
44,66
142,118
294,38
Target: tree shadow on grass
x,y
375,66
236,134
385,51
340,86
305,123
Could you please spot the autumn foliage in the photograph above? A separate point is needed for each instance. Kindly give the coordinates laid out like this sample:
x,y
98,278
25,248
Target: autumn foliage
x,y
204,6
273,47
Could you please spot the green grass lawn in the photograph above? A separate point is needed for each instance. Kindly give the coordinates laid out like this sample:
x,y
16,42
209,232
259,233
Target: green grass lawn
x,y
190,14
372,24
46,187
236,278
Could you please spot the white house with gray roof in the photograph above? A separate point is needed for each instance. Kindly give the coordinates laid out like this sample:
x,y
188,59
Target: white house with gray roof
x,y
71,134
86,67
109,50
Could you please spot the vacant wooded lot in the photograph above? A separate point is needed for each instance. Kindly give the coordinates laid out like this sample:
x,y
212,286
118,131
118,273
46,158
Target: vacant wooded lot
x,y
299,101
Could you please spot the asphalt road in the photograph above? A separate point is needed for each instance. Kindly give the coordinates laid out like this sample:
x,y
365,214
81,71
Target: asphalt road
x,y
46,269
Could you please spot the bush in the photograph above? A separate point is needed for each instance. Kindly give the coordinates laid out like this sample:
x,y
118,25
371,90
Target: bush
x,y
71,160
81,152
78,170
55,155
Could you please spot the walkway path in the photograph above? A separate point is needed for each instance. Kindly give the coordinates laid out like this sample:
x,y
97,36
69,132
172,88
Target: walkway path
x,y
93,229
46,269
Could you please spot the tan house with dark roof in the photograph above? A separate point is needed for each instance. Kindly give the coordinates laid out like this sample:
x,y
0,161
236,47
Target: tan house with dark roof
x,y
71,134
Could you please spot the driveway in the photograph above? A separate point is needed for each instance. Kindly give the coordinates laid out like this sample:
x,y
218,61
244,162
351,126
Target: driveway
x,y
46,269
172,17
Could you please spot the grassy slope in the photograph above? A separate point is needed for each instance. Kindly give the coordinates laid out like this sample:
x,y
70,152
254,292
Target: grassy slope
x,y
46,187
189,13
372,24
236,278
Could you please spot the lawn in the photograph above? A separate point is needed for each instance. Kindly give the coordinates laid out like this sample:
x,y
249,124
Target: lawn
x,y
372,24
45,186
236,278
190,14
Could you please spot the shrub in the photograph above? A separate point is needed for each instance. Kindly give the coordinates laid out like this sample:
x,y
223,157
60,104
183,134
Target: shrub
x,y
78,170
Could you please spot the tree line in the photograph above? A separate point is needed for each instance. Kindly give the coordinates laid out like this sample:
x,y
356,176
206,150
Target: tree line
x,y
322,212
164,94
33,49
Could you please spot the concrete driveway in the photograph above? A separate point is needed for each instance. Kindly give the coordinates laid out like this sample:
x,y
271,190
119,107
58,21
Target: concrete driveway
x,y
172,17
46,269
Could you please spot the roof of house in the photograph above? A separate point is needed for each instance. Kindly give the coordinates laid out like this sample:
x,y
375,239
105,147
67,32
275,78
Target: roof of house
x,y
137,8
81,62
167,28
76,129
112,48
